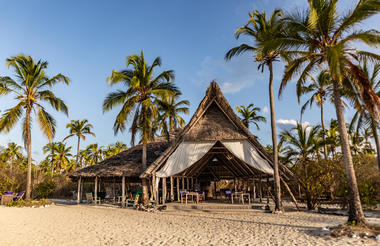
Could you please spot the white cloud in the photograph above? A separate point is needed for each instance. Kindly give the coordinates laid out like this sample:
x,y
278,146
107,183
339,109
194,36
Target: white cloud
x,y
233,76
265,110
289,124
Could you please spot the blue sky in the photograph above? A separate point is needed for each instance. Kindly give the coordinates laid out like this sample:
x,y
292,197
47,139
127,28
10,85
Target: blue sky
x,y
86,40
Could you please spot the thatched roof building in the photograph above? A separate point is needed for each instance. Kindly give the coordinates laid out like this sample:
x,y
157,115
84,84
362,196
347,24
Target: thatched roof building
x,y
214,145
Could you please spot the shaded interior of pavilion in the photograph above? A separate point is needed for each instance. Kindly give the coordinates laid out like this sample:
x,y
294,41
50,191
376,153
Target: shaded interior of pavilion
x,y
215,177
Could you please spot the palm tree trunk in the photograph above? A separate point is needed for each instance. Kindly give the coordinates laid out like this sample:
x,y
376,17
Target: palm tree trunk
x,y
276,176
76,159
28,145
355,213
323,132
376,137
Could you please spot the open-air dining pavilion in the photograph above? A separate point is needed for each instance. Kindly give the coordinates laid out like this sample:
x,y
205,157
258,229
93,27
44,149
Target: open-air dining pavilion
x,y
214,158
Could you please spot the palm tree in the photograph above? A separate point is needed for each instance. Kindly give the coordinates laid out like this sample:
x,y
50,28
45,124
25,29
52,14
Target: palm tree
x,y
263,30
364,118
322,90
322,37
61,157
303,142
249,115
139,100
332,139
170,109
50,147
94,153
114,149
79,129
13,152
31,89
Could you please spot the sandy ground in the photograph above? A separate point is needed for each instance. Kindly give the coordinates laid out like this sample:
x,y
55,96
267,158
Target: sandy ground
x,y
87,225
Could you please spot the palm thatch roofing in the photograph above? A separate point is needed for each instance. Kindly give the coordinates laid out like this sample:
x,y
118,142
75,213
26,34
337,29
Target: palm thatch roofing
x,y
214,119
127,163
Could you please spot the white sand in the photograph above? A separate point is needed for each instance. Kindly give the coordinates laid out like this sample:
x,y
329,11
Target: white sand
x,y
86,225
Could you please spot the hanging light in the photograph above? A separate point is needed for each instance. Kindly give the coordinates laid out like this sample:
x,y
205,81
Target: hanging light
x,y
214,159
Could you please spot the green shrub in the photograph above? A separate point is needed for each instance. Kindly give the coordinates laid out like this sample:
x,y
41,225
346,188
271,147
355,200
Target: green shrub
x,y
35,203
45,189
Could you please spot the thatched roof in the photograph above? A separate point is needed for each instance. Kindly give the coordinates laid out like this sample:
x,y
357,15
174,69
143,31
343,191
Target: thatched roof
x,y
214,119
126,163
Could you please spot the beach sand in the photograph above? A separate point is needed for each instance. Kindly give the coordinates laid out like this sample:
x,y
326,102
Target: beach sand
x,y
88,225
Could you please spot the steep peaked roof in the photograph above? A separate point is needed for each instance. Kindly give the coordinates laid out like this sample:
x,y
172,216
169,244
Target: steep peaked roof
x,y
213,102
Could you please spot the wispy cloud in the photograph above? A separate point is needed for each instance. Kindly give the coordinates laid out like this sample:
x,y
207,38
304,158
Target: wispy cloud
x,y
233,76
265,110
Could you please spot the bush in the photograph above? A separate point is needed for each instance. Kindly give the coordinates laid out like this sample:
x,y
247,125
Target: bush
x,y
45,189
35,203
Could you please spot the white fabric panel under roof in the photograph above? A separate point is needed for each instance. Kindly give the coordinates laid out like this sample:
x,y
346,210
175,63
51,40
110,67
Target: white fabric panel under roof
x,y
188,153
247,153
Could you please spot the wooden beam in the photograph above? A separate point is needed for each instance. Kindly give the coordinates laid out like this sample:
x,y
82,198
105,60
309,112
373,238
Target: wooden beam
x,y
79,190
171,189
154,187
291,194
123,191
183,183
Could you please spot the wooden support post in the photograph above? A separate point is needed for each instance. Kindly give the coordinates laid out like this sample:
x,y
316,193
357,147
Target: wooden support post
x,y
96,190
187,183
183,183
123,192
260,189
171,189
151,189
268,190
79,190
178,194
154,194
254,188
163,190
235,185
158,190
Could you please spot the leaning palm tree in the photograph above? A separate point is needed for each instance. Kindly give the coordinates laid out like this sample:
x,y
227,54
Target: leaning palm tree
x,y
364,118
139,100
321,89
249,115
79,129
12,153
170,109
31,89
261,30
322,37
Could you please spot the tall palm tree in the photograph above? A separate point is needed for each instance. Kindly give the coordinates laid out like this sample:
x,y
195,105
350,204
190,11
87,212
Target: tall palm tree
x,y
322,37
13,152
79,129
170,109
261,30
139,99
303,141
31,89
249,115
114,149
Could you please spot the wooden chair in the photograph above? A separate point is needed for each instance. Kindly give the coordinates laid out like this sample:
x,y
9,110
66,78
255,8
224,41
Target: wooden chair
x,y
91,199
